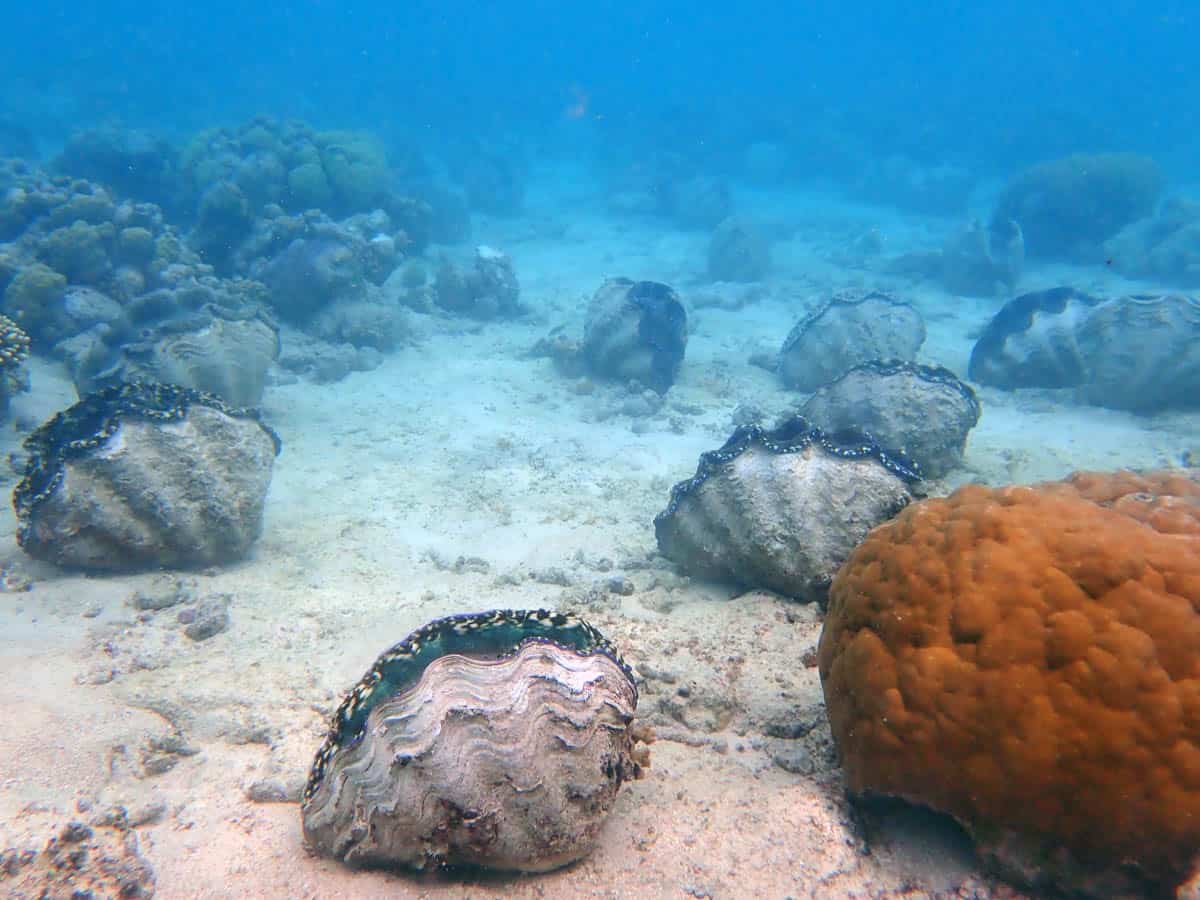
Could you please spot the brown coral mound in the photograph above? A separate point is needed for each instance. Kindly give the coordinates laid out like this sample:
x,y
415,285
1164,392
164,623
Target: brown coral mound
x,y
1028,660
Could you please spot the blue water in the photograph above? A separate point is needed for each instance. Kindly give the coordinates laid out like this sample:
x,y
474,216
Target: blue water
x,y
995,84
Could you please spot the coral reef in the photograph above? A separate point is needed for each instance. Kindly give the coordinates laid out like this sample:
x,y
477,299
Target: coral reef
x,y
310,261
925,411
487,290
1165,247
1067,208
327,361
14,350
738,251
1025,660
290,164
782,509
361,323
310,274
1138,353
848,329
258,187
144,475
79,262
495,739
635,331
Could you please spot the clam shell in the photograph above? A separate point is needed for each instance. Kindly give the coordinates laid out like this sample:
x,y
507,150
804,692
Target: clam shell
x,y
1031,341
1143,353
636,330
497,739
1139,353
926,411
847,330
782,509
145,475
223,355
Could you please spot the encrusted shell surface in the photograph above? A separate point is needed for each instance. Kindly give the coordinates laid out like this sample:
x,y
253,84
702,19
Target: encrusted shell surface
x,y
851,328
782,509
496,739
926,411
145,475
636,330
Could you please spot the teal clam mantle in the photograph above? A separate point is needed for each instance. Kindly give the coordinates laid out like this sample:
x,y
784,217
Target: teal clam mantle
x,y
488,635
88,425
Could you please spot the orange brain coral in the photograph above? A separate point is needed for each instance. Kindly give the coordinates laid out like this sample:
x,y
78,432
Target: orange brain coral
x,y
1028,660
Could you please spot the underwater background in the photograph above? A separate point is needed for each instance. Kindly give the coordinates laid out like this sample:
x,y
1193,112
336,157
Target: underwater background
x,y
758,343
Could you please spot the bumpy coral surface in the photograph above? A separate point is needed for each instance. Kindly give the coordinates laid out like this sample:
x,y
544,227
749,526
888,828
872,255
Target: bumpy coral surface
x,y
14,344
1028,660
14,350
291,164
66,236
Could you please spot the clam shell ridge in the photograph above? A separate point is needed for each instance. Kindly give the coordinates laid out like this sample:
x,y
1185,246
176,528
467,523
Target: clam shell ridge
x,y
88,426
498,739
780,509
848,329
793,435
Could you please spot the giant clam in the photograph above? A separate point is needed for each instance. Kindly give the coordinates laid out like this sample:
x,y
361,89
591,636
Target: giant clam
x,y
636,330
145,475
1139,353
848,329
495,739
214,350
781,509
926,411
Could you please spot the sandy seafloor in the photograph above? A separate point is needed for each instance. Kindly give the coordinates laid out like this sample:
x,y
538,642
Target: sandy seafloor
x,y
463,475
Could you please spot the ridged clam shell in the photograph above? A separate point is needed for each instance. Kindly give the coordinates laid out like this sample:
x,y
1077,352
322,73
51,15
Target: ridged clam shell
x,y
1143,353
926,411
228,357
1139,353
145,476
509,761
781,510
1032,341
847,330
